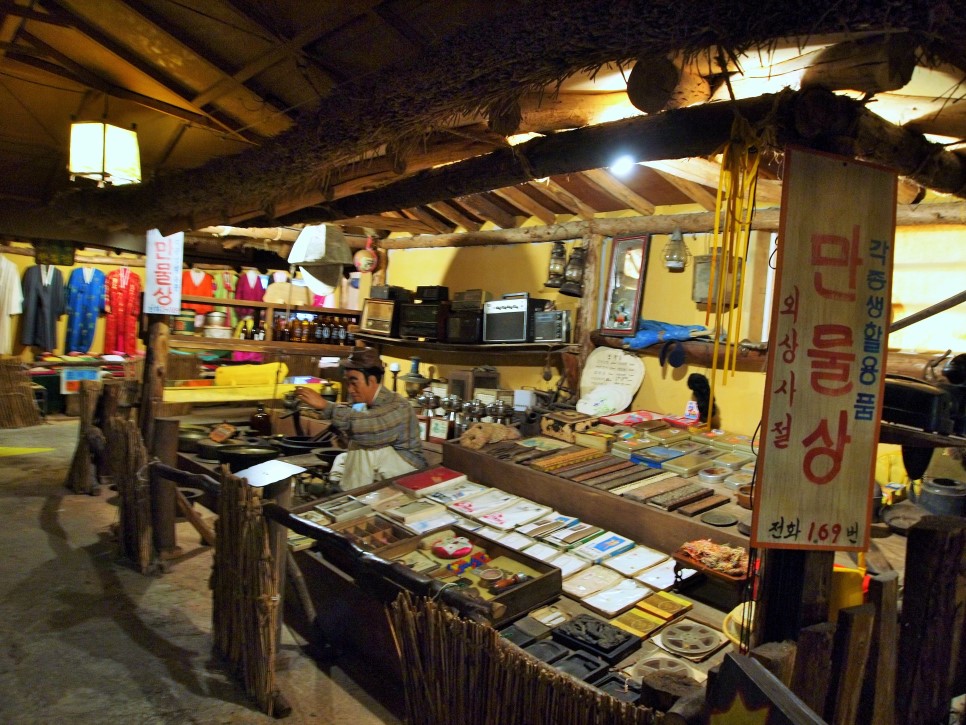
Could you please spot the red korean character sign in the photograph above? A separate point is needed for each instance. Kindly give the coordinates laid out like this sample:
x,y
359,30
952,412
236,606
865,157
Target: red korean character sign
x,y
826,360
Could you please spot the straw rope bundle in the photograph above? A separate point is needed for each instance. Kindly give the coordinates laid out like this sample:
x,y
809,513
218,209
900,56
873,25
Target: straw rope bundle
x,y
246,591
17,406
127,461
455,670
82,475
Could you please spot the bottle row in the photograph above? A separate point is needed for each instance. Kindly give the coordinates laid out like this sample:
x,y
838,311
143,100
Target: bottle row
x,y
319,329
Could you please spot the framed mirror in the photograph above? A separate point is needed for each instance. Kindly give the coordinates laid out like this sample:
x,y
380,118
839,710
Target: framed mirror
x,y
625,285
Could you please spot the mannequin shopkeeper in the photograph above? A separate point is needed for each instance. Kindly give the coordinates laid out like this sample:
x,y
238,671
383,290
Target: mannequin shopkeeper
x,y
381,425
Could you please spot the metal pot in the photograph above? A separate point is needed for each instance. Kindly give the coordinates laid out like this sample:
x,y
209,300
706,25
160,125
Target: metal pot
x,y
215,319
943,496
240,457
188,439
297,445
207,449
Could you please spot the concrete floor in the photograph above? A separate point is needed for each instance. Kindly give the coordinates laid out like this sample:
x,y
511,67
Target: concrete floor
x,y
86,639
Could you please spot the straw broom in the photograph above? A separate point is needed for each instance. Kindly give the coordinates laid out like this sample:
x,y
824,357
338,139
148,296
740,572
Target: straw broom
x,y
17,406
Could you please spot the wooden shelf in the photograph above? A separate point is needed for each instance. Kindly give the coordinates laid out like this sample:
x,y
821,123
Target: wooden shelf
x,y
197,342
256,305
905,436
490,348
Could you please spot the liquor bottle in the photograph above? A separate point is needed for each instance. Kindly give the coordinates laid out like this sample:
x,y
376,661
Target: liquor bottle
x,y
259,329
260,421
326,331
304,336
294,329
317,335
339,332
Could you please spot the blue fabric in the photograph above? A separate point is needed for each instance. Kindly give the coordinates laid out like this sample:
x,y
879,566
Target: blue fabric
x,y
85,302
650,332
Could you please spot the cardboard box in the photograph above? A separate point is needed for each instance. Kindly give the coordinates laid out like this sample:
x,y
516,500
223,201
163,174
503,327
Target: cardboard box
x,y
565,424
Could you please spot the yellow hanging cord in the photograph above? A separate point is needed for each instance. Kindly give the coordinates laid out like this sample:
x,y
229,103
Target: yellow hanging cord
x,y
734,208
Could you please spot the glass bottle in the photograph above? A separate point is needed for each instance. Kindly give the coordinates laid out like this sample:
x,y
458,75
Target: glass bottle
x,y
326,331
304,335
260,421
317,336
339,332
259,329
295,329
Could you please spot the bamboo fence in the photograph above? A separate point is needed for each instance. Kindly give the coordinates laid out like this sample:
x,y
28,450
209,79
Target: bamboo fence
x,y
246,594
18,409
82,474
126,459
456,670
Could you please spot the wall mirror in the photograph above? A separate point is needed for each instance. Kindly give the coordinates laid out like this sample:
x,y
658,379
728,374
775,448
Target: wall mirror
x,y
625,285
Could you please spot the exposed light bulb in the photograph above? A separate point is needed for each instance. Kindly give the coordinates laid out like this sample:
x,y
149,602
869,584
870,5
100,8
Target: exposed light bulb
x,y
622,165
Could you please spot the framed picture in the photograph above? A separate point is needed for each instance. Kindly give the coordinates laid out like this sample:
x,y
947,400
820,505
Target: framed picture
x,y
625,285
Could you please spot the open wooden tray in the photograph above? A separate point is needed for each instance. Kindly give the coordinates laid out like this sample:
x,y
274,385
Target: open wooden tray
x,y
686,561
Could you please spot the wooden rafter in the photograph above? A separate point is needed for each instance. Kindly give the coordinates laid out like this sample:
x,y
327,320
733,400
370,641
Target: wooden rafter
x,y
695,192
606,181
563,197
51,18
485,209
389,224
525,203
450,210
430,220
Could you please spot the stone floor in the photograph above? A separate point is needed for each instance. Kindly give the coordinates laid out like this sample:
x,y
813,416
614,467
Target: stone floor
x,y
86,639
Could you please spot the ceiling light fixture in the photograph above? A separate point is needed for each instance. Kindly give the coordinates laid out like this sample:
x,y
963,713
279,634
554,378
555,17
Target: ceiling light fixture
x,y
107,154
622,165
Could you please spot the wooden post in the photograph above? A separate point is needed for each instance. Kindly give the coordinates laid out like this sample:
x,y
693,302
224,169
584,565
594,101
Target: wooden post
x,y
878,701
931,625
163,491
795,592
778,658
152,392
849,654
813,664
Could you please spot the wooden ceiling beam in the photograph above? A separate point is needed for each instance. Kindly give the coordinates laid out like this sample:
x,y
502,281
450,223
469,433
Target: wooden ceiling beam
x,y
482,207
96,83
813,118
522,201
620,191
451,211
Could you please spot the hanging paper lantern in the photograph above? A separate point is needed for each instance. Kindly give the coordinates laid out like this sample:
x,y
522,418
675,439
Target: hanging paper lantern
x,y
366,260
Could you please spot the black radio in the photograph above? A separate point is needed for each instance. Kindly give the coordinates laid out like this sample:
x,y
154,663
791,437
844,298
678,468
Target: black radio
x,y
423,319
551,326
511,318
464,326
432,293
471,299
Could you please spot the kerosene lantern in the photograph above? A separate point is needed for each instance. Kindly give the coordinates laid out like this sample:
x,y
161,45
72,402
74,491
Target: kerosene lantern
x,y
558,263
413,381
573,285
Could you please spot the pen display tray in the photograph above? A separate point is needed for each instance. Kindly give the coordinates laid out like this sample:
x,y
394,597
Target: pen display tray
x,y
372,533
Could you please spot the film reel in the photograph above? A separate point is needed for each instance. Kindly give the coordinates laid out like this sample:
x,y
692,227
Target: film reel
x,y
690,639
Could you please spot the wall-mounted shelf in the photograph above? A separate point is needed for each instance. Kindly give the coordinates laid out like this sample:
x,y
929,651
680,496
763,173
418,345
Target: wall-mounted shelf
x,y
197,342
490,348
696,352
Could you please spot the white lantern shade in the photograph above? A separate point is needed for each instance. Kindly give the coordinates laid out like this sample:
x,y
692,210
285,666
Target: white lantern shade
x,y
105,153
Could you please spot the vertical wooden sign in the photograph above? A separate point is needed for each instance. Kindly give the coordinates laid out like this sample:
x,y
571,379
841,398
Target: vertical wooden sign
x,y
826,356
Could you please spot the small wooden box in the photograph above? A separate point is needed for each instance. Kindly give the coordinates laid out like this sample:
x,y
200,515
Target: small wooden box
x,y
565,424
543,588
373,533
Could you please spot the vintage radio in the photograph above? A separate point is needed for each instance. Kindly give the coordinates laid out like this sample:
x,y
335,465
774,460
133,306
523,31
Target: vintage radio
x,y
551,326
464,325
380,317
916,403
390,292
432,293
471,299
423,319
510,319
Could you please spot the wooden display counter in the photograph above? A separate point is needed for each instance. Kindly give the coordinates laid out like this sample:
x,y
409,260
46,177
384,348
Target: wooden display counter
x,y
661,530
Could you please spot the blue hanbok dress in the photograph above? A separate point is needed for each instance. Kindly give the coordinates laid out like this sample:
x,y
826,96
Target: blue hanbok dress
x,y
85,302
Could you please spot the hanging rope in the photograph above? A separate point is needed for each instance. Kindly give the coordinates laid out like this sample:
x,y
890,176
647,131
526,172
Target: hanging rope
x,y
734,209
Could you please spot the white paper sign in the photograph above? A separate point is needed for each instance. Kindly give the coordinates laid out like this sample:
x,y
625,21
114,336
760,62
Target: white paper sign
x,y
162,273
267,473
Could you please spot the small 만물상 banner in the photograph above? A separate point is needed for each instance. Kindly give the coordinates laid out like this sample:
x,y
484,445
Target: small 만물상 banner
x,y
826,354
162,273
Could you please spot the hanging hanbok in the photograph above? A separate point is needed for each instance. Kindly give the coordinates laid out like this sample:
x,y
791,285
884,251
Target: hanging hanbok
x,y
122,304
226,282
11,302
85,301
197,283
43,304
249,287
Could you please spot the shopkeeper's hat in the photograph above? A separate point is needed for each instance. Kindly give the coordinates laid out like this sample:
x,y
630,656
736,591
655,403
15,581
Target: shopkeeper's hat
x,y
362,358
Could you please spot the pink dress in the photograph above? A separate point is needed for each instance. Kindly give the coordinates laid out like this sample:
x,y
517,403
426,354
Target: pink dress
x,y
246,289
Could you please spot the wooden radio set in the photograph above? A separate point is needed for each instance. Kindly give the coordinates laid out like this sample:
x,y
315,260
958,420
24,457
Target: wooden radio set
x,y
470,318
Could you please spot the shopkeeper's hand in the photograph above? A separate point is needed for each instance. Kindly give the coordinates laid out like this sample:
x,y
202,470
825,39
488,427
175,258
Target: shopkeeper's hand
x,y
311,398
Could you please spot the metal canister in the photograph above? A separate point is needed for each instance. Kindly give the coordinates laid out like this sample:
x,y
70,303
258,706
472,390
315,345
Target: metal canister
x,y
943,496
184,323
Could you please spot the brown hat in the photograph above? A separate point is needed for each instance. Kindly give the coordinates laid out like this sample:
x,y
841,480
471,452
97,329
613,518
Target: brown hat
x,y
362,358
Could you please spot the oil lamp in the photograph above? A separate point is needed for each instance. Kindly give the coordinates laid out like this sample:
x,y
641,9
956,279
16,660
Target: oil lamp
x,y
558,263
